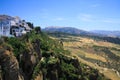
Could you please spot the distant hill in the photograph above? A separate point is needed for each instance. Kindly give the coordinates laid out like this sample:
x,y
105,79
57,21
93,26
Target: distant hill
x,y
75,31
64,31
69,30
107,33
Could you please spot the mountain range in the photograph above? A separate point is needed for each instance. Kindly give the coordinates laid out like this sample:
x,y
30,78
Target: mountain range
x,y
69,30
107,33
72,30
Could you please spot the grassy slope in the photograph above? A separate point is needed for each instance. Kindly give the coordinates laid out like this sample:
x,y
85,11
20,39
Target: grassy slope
x,y
85,47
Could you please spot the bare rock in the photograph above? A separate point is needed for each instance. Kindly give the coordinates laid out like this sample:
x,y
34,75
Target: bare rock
x,y
39,76
9,66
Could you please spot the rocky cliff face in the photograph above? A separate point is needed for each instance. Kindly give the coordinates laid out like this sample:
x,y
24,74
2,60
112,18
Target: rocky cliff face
x,y
30,59
9,66
37,57
0,73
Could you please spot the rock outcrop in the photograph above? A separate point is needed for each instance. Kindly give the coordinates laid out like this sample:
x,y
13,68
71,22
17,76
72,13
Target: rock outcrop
x,y
9,66
0,73
39,76
30,59
28,62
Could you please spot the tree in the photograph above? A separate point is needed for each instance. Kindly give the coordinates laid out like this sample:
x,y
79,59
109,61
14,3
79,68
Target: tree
x,y
30,25
38,29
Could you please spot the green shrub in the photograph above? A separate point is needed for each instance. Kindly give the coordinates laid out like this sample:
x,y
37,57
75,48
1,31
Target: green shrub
x,y
1,41
38,29
7,46
17,45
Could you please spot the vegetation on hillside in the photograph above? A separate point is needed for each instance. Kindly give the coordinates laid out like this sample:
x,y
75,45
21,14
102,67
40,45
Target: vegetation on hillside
x,y
101,53
115,40
37,54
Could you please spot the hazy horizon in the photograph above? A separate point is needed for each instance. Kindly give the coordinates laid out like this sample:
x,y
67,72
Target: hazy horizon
x,y
82,14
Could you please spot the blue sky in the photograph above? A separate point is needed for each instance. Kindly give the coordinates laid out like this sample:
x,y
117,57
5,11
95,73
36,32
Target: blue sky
x,y
82,14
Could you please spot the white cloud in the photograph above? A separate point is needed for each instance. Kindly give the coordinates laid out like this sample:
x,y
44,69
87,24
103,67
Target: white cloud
x,y
44,13
107,21
85,17
110,20
93,18
59,19
95,5
44,10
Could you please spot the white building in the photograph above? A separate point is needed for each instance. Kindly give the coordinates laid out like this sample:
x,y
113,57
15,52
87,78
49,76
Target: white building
x,y
13,27
5,28
17,30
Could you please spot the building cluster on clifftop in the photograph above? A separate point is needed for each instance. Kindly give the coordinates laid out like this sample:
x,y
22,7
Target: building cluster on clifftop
x,y
14,26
